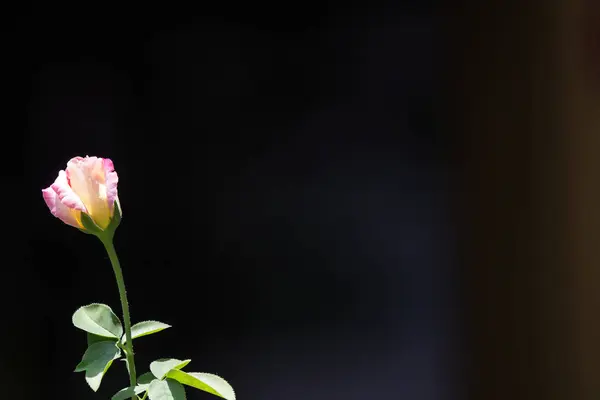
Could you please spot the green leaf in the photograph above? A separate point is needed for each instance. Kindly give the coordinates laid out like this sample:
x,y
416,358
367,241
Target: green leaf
x,y
82,366
145,328
124,394
166,390
91,339
99,320
208,382
143,382
161,366
96,361
145,379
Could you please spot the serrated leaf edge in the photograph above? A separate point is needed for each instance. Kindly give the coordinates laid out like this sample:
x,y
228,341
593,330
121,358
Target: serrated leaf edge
x,y
218,376
106,368
98,304
184,362
123,338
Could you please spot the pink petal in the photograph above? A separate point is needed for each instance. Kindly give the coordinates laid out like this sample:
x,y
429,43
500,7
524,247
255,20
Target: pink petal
x,y
66,195
58,209
86,176
49,197
112,179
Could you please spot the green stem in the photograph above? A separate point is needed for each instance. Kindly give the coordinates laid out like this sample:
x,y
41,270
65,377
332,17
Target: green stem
x,y
112,254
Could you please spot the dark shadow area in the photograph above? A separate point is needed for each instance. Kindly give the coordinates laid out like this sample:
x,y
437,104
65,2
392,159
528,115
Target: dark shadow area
x,y
286,187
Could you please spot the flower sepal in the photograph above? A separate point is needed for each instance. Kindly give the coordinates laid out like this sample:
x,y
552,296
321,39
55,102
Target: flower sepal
x,y
89,224
91,228
116,218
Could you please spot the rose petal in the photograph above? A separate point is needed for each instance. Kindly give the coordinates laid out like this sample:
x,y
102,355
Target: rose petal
x,y
112,180
66,195
88,180
59,210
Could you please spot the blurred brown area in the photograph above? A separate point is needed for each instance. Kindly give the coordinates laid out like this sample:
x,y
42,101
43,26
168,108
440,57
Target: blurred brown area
x,y
526,77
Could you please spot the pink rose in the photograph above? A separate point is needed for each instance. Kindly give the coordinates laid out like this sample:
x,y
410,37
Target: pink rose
x,y
88,185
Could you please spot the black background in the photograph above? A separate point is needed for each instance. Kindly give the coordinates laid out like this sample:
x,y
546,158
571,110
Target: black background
x,y
285,185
